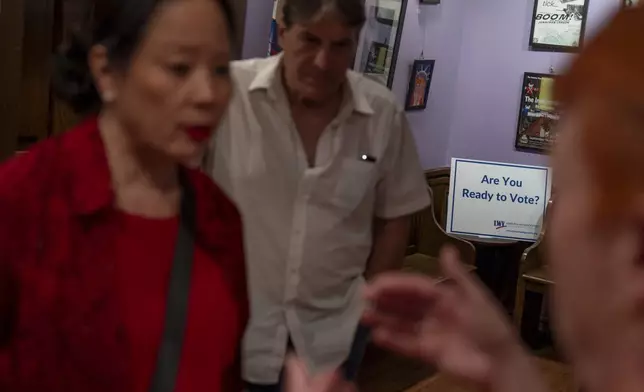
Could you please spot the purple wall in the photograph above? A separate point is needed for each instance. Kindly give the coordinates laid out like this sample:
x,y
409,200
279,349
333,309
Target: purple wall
x,y
259,14
438,30
494,56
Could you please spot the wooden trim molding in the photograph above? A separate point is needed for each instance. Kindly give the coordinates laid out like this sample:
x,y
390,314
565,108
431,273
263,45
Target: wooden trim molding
x,y
35,87
11,38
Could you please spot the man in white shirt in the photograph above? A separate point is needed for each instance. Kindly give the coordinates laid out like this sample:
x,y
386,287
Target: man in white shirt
x,y
324,169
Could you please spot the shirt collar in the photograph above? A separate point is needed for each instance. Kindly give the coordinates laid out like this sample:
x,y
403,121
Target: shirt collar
x,y
361,103
268,77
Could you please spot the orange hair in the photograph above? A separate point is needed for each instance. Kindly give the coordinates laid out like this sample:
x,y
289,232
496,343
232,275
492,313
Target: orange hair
x,y
607,81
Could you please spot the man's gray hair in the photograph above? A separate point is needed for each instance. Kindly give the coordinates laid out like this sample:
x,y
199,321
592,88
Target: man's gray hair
x,y
351,12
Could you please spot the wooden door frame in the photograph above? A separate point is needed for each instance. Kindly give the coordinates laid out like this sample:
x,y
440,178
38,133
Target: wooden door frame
x,y
37,67
239,9
11,47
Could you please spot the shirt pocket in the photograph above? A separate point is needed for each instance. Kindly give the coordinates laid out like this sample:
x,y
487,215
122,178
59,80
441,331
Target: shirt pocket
x,y
356,177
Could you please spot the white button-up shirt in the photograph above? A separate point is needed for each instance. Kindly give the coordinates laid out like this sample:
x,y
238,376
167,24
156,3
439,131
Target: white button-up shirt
x,y
308,230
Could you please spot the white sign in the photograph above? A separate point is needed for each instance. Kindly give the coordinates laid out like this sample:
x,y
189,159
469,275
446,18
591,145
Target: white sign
x,y
558,23
498,200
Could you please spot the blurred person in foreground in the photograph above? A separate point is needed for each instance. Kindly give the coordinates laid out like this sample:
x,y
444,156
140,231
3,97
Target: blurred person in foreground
x,y
324,168
595,245
121,264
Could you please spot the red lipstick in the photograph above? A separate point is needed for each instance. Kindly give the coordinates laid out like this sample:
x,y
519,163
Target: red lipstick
x,y
199,134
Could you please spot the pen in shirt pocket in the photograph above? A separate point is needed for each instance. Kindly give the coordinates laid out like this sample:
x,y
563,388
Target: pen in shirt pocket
x,y
368,158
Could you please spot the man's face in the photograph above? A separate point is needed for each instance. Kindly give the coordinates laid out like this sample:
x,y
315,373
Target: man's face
x,y
317,56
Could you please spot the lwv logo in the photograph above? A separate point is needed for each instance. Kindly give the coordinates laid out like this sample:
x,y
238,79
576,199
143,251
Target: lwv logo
x,y
500,224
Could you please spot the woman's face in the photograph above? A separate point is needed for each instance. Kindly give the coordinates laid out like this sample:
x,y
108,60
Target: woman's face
x,y
177,85
594,263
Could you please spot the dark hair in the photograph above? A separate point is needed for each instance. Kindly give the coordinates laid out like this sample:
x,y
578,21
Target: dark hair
x,y
297,11
116,24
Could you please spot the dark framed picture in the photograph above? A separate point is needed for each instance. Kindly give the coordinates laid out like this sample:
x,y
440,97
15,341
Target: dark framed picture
x,y
632,3
420,81
538,114
379,43
433,2
558,25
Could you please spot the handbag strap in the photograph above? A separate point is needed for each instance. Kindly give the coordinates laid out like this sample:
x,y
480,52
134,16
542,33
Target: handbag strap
x,y
169,355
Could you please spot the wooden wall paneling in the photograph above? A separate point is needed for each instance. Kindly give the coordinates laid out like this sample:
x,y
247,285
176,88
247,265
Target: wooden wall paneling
x,y
11,33
69,16
36,71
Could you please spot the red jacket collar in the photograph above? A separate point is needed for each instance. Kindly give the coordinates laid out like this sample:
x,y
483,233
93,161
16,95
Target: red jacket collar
x,y
90,184
91,181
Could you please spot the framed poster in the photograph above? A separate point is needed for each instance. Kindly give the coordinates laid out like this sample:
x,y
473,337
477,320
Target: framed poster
x,y
420,81
631,3
497,199
379,42
538,114
558,25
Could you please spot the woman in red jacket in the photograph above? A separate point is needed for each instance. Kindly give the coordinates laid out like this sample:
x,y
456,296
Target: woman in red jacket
x,y
121,264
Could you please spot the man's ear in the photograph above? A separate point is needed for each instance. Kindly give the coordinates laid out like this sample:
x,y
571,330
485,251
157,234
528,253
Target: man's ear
x,y
281,33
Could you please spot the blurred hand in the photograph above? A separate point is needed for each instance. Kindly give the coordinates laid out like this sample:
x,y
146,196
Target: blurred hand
x,y
299,380
456,325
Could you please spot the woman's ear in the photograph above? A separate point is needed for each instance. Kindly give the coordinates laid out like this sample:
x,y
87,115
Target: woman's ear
x,y
98,61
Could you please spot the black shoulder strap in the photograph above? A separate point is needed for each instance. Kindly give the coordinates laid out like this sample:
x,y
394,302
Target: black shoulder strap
x,y
169,355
